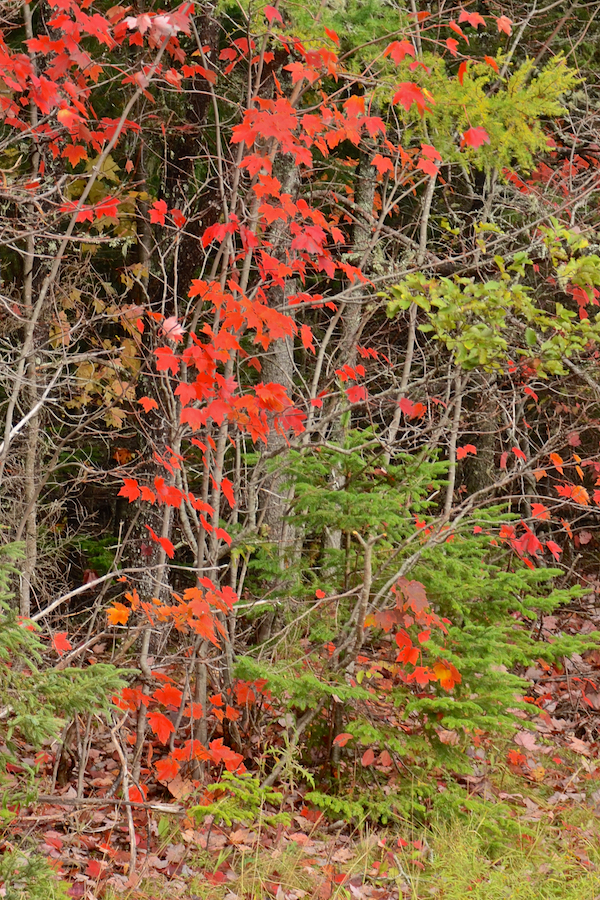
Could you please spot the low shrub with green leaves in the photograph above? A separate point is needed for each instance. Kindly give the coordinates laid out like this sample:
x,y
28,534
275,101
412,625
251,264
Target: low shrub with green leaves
x,y
240,798
463,641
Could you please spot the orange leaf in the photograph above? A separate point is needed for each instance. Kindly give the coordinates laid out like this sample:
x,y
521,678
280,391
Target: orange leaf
x,y
118,614
74,153
504,24
458,30
148,403
447,674
342,739
580,495
558,462
166,769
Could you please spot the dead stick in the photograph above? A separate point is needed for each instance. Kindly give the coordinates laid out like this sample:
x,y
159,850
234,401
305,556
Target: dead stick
x,y
110,801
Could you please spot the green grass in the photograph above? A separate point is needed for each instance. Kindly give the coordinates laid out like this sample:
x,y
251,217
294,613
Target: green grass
x,y
555,863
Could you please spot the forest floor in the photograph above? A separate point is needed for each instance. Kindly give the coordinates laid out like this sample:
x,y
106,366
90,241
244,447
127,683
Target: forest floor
x,y
529,827
551,850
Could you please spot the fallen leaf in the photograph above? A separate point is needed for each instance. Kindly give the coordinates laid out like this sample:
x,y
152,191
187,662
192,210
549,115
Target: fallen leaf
x,y
579,746
299,837
526,739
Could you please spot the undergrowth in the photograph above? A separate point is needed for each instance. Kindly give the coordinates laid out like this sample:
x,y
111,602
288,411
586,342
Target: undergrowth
x,y
452,860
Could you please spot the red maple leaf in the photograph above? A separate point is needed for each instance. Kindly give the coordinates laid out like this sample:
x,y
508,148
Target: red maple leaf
x,y
271,14
409,93
428,166
219,753
178,217
148,403
168,695
164,542
382,163
554,549
299,71
160,725
74,153
244,132
194,417
504,24
272,397
527,543
60,642
475,137
407,653
411,410
474,19
539,511
421,675
166,360
227,488
222,535
461,452
95,868
399,49
430,152
458,30
158,211
357,393
107,208
130,489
